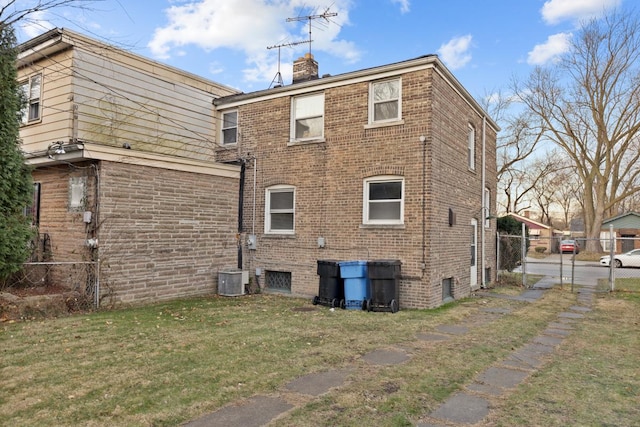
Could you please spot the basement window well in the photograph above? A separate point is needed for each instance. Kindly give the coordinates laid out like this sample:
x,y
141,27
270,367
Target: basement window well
x,y
278,281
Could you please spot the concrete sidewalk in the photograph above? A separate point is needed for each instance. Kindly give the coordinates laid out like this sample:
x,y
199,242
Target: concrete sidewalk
x,y
469,406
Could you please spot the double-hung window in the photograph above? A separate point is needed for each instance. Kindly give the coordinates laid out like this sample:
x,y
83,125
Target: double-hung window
x,y
383,200
471,147
307,113
385,101
487,208
280,210
230,127
32,91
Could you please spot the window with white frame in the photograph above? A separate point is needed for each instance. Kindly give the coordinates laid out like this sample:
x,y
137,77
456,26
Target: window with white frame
x,y
383,200
487,208
229,127
307,117
77,194
280,210
32,91
471,147
385,101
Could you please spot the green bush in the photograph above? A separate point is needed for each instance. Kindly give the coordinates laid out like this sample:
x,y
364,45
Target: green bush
x,y
540,249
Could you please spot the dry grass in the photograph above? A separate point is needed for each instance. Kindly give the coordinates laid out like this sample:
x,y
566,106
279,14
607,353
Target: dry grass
x,y
593,380
165,364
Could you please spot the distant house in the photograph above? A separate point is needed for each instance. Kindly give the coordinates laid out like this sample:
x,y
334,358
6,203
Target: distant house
x,y
626,228
129,202
396,162
540,235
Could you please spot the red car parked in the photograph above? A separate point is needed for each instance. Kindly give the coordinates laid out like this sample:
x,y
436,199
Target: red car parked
x,y
568,247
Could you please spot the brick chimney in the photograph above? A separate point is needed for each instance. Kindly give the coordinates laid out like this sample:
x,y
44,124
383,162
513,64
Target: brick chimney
x,y
305,68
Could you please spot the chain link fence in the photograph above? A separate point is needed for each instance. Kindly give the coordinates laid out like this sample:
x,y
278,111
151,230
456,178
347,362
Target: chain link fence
x,y
42,275
571,260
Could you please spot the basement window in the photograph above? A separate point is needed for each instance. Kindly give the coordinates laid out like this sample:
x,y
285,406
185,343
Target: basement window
x,y
278,281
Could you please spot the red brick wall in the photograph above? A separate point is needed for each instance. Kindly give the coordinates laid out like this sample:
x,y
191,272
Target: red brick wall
x,y
329,175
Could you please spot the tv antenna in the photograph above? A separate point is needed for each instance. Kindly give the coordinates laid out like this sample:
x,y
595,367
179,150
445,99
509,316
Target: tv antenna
x,y
278,77
325,15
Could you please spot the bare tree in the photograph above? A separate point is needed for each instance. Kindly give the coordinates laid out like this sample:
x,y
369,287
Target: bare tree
x,y
588,103
19,10
566,195
516,142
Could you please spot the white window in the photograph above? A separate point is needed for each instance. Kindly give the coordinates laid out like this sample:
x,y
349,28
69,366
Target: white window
x,y
307,117
77,194
385,101
230,127
471,147
487,208
383,200
32,92
280,210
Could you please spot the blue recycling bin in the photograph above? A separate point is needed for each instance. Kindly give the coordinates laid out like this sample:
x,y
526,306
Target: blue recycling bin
x,y
356,284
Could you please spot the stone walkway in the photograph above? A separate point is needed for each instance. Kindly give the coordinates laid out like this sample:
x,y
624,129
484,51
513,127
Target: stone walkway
x,y
469,406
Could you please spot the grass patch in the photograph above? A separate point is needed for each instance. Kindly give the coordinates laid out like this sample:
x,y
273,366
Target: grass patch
x,y
585,384
165,364
510,283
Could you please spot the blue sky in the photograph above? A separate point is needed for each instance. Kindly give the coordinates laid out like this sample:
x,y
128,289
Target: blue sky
x,y
484,42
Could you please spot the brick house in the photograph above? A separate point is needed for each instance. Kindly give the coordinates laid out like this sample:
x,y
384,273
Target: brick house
x,y
392,162
129,202
540,235
626,229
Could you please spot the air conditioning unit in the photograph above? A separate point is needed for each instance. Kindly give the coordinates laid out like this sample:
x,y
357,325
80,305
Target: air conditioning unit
x,y
231,283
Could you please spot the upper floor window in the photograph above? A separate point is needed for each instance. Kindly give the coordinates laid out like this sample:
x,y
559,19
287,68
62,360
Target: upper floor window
x,y
32,92
230,127
471,147
487,208
307,117
280,210
383,200
385,101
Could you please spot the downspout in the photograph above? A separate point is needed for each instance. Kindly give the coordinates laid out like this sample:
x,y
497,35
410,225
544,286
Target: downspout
x,y
255,171
485,209
96,218
423,139
240,211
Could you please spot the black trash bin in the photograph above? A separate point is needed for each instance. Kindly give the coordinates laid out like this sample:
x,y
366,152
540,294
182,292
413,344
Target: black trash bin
x,y
331,286
384,282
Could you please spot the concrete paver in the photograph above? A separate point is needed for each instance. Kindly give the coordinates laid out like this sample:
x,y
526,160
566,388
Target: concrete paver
x,y
465,407
502,377
386,357
254,412
318,383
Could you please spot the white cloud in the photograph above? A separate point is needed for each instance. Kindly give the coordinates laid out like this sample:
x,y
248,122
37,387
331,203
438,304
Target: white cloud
x,y
455,53
555,11
35,24
249,26
555,45
404,5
